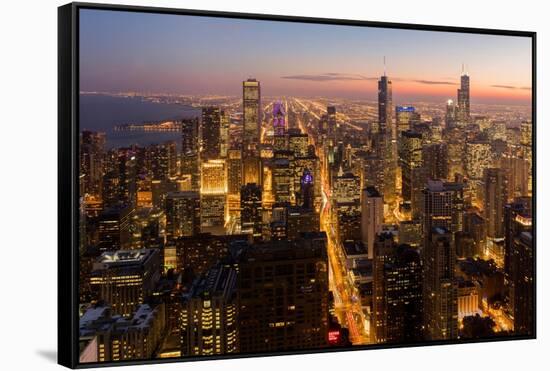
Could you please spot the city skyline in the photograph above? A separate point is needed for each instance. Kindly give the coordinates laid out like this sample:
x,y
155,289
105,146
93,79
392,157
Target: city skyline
x,y
343,61
259,223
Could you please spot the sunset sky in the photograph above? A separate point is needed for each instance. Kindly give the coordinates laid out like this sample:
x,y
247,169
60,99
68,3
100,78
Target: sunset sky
x,y
123,51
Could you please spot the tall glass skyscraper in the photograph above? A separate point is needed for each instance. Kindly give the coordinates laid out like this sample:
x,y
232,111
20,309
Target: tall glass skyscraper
x,y
251,113
387,135
463,112
210,132
384,102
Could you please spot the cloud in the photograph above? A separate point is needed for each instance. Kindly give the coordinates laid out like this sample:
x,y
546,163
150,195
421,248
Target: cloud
x,y
329,76
432,82
335,76
511,87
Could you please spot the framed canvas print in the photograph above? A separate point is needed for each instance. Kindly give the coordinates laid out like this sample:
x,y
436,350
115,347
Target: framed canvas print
x,y
235,185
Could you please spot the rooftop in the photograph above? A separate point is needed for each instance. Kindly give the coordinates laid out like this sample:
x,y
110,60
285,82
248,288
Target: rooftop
x,y
125,256
355,248
99,318
93,314
405,109
218,280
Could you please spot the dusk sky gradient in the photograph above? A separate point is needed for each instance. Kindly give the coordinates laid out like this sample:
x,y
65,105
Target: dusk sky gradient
x,y
145,52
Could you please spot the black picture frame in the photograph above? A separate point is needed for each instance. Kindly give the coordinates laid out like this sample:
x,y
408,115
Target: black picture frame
x,y
68,134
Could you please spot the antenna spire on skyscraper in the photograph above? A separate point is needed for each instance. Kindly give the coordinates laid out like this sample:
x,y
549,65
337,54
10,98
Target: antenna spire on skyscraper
x,y
384,66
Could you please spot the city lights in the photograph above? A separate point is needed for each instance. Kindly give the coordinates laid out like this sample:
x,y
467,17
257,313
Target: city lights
x,y
268,220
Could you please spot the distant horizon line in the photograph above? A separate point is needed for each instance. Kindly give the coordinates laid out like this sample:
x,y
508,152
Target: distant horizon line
x,y
137,93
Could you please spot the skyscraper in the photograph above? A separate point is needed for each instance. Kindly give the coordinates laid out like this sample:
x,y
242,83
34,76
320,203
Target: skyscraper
x,y
526,133
190,151
252,166
494,200
440,286
92,148
463,94
234,171
385,103
526,141
127,172
251,210
234,180
283,295
517,219
182,214
299,220
397,292
517,170
479,156
210,133
372,217
348,217
346,202
435,158
298,143
372,170
172,158
405,118
224,135
347,188
450,114
457,153
252,114
190,136
279,124
331,121
443,206
208,318
124,279
521,283
197,254
307,192
162,160
114,338
475,229
282,180
114,228
308,169
213,177
412,171
213,193
385,138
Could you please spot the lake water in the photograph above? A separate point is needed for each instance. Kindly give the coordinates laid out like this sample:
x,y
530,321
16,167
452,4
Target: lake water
x,y
104,112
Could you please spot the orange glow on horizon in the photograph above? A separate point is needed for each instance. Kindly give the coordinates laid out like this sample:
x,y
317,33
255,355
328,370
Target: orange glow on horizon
x,y
412,88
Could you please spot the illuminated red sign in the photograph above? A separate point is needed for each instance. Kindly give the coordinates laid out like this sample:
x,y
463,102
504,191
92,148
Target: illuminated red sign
x,y
334,337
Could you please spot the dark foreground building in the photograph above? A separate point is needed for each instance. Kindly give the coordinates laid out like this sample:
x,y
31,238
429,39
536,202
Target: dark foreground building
x,y
125,279
521,285
209,314
283,295
397,292
440,287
